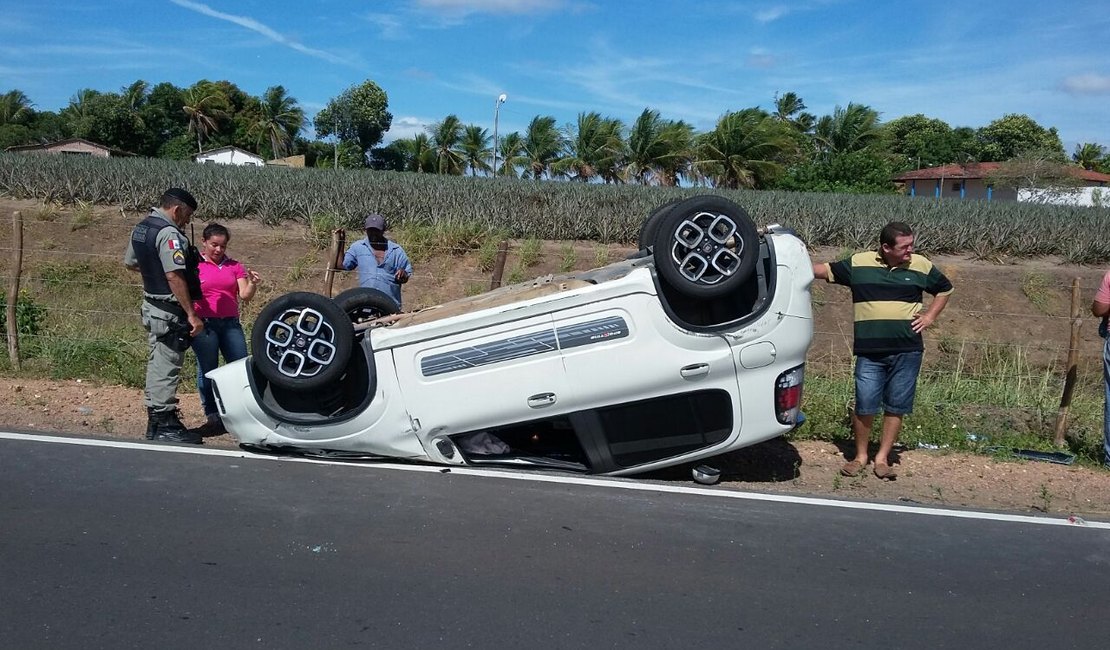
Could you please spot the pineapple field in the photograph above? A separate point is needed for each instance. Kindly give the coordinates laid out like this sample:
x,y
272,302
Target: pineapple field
x,y
550,210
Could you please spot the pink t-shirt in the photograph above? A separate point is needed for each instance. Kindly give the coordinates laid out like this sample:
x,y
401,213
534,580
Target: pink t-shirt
x,y
219,286
1103,294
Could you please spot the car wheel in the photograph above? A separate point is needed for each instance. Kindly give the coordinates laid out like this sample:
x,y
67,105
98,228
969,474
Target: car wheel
x,y
706,247
361,303
302,341
651,224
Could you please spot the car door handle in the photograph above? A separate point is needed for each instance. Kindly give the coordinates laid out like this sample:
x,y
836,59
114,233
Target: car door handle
x,y
696,370
541,400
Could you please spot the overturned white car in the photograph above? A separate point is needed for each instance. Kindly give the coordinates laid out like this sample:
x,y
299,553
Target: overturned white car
x,y
693,348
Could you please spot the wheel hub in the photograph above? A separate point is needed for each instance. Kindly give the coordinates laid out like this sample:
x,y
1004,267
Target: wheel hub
x,y
300,343
706,248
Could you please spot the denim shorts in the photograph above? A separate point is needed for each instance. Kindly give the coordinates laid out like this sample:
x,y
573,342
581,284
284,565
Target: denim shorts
x,y
886,382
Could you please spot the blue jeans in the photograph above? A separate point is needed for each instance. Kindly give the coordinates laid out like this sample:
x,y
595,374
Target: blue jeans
x,y
1106,407
886,382
220,335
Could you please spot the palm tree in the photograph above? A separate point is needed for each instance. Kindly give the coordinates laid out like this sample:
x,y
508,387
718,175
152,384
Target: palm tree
x,y
591,145
445,137
204,107
416,153
787,106
280,119
80,104
474,147
847,129
542,143
658,150
1088,155
15,107
679,151
511,151
743,150
610,167
134,98
790,109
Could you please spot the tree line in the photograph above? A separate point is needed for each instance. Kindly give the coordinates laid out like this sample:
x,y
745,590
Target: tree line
x,y
849,150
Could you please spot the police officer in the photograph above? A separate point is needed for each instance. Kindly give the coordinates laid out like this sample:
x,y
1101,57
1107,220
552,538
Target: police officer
x,y
159,250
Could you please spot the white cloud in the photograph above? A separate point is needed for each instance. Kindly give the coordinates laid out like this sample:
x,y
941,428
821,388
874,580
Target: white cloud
x,y
391,27
761,59
1087,84
770,14
255,26
613,82
406,127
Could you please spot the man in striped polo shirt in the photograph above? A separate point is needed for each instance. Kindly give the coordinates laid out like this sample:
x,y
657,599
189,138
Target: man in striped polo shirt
x,y
887,289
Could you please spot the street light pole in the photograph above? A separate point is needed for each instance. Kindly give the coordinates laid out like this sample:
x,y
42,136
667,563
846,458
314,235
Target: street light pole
x,y
496,110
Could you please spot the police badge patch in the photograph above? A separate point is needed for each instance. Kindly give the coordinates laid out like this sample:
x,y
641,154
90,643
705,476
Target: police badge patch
x,y
179,257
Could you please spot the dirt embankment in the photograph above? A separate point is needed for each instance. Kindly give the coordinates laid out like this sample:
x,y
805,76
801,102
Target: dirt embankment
x,y
1024,303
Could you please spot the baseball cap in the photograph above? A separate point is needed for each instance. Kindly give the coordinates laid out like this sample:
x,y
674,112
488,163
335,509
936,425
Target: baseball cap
x,y
374,221
179,194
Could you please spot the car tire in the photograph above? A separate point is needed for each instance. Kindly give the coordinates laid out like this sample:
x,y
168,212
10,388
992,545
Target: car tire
x,y
650,226
705,247
302,341
362,303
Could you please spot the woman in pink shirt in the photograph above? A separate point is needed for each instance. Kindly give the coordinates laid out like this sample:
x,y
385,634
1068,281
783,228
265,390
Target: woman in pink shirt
x,y
224,283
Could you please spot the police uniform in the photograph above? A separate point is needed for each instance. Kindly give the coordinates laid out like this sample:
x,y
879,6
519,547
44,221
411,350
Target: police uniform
x,y
158,247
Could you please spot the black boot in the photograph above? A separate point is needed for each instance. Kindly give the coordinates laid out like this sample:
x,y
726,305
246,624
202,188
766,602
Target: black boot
x,y
168,428
213,427
151,423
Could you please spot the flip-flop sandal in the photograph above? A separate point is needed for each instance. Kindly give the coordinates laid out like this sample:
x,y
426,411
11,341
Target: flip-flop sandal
x,y
883,470
853,468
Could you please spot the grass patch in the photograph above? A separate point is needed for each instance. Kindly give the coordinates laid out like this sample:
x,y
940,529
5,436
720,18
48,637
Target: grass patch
x,y
83,216
318,230
1037,287
998,400
530,253
487,252
47,212
302,267
568,258
113,360
516,276
55,275
602,255
422,242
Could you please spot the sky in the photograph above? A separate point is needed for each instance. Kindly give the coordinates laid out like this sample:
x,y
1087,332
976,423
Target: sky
x,y
967,64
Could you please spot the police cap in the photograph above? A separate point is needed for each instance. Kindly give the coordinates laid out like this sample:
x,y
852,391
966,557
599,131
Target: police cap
x,y
178,194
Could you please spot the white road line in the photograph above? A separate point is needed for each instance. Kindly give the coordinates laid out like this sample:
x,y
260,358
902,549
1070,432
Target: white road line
x,y
610,483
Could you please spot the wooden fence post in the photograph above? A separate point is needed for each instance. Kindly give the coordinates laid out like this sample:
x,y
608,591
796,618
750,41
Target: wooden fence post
x,y
499,265
13,288
1073,362
338,239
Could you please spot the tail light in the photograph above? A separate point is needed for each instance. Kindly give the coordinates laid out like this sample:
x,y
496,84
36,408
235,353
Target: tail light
x,y
788,395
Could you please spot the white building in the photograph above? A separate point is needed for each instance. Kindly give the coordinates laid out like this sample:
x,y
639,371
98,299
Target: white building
x,y
230,156
1083,196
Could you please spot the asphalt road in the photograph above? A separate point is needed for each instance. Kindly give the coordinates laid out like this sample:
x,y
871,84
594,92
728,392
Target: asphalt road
x,y
104,547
